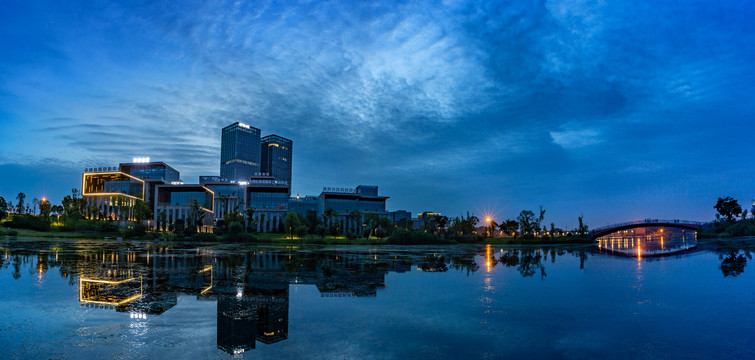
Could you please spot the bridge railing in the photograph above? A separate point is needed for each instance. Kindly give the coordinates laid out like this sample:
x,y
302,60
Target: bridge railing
x,y
648,221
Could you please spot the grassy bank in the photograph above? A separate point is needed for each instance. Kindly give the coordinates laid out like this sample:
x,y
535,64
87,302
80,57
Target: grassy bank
x,y
59,234
285,240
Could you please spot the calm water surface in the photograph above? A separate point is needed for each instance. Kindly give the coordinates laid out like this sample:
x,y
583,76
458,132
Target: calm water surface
x,y
91,299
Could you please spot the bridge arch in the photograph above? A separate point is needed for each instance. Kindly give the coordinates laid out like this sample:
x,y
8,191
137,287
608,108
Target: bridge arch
x,y
679,224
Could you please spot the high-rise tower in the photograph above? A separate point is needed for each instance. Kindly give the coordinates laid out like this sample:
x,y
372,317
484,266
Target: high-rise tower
x,y
239,152
276,157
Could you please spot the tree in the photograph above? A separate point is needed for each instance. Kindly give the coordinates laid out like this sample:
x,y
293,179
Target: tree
x,y
251,224
20,204
582,229
301,231
311,222
162,218
492,227
509,227
540,219
45,208
728,208
292,223
321,230
356,219
3,208
328,216
141,210
527,222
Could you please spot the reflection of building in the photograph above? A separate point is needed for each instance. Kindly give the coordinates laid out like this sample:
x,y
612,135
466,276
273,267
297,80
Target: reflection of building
x,y
239,152
109,292
237,318
276,157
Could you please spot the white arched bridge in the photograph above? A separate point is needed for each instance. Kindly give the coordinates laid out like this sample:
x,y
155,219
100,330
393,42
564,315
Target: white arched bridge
x,y
680,224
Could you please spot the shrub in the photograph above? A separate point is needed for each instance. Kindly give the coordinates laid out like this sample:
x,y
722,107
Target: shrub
x,y
204,237
104,226
406,237
469,239
137,230
742,228
28,222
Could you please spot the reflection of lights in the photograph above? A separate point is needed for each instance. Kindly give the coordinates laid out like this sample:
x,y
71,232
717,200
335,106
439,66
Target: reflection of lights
x,y
137,315
127,300
487,257
206,269
639,252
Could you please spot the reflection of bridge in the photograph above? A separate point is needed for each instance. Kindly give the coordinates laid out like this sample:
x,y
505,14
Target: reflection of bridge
x,y
679,224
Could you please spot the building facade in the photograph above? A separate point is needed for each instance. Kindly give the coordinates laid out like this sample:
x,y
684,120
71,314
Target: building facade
x,y
276,154
239,152
176,203
111,194
269,199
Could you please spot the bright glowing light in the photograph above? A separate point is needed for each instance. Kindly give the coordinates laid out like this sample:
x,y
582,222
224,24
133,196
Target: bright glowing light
x,y
488,219
143,159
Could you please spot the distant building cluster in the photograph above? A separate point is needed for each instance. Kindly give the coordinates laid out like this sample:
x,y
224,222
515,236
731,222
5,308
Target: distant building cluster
x,y
255,173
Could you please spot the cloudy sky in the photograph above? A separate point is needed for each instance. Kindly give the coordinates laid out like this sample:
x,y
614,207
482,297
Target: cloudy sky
x,y
615,110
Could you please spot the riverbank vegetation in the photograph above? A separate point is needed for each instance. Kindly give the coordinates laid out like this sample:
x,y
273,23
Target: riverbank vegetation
x,y
74,219
732,220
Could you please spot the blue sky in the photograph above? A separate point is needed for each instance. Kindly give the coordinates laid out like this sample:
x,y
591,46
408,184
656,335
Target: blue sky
x,y
615,110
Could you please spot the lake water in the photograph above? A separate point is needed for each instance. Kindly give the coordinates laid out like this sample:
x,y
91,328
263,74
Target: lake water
x,y
78,299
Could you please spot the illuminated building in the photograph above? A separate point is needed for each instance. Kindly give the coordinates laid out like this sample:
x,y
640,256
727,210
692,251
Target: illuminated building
x,y
276,157
239,152
304,205
269,199
110,193
400,215
176,201
229,196
364,199
153,173
422,218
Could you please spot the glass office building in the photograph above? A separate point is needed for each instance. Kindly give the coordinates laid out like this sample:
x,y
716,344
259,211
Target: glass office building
x,y
239,152
276,157
151,171
181,195
114,183
111,194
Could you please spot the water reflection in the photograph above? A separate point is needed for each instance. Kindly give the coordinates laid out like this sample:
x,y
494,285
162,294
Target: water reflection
x,y
648,241
251,287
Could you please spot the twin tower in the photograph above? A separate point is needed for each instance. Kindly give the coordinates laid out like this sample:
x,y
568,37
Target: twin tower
x,y
244,154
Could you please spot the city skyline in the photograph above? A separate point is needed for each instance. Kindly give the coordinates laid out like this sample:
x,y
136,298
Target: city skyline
x,y
615,111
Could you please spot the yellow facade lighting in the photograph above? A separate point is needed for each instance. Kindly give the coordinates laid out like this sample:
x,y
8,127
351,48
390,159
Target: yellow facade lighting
x,y
85,193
